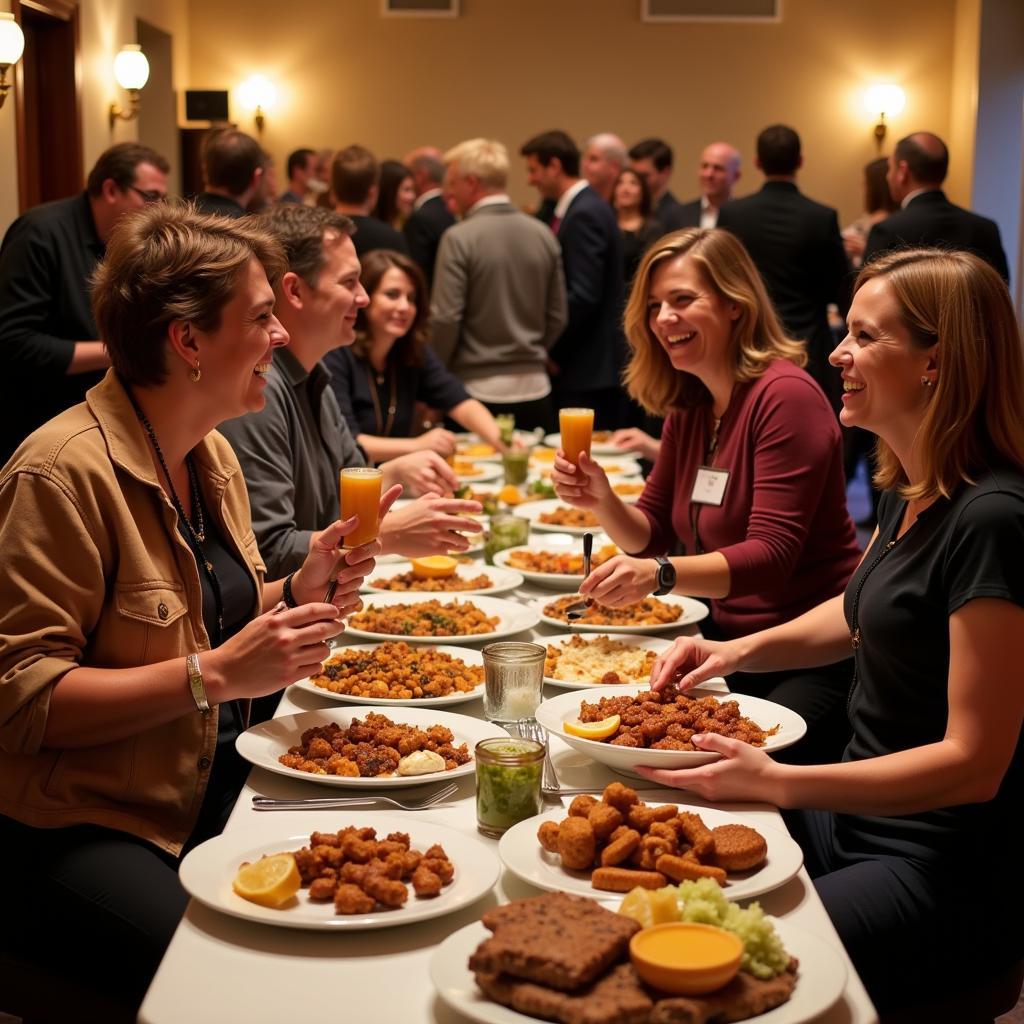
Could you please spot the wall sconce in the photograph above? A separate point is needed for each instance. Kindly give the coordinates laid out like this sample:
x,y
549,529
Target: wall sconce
x,y
880,100
12,45
131,69
258,94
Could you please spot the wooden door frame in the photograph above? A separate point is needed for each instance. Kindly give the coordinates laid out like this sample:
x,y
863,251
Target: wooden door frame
x,y
64,10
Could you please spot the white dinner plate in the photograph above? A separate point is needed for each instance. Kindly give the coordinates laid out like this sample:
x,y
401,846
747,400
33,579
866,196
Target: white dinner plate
x,y
820,982
207,871
468,655
596,447
565,707
502,579
522,438
485,473
692,611
557,544
535,509
263,744
648,643
460,453
513,618
523,855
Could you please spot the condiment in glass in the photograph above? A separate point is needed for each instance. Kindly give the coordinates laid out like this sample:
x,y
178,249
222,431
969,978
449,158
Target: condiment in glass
x,y
506,427
508,780
516,464
513,680
505,531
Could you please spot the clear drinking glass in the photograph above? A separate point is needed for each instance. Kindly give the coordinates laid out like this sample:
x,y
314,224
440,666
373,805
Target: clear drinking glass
x,y
513,680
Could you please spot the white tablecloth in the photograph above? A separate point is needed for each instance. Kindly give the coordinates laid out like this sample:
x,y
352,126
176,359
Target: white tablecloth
x,y
218,969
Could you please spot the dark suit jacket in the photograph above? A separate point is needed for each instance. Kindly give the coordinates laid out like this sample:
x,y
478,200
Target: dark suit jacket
x,y
796,246
689,214
672,213
423,232
375,234
591,352
931,219
224,206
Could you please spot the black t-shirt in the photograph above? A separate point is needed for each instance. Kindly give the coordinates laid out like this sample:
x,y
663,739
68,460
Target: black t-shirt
x,y
970,546
366,403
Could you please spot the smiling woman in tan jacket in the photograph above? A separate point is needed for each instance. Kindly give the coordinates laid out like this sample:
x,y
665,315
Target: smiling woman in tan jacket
x,y
135,625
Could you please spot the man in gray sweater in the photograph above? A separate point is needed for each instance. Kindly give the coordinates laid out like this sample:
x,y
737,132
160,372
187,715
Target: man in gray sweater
x,y
498,301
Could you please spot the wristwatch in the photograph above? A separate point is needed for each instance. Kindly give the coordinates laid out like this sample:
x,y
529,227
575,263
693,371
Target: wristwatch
x,y
666,576
195,684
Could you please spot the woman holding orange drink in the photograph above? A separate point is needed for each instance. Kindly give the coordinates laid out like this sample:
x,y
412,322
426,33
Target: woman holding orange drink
x,y
748,478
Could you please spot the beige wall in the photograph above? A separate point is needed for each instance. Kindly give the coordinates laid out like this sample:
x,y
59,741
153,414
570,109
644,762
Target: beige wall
x,y
105,26
510,68
964,99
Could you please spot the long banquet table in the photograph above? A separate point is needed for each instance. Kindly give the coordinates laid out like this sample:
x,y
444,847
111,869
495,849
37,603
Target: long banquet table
x,y
218,968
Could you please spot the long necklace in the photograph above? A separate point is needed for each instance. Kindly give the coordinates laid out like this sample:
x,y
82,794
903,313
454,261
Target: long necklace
x,y
712,447
383,427
193,534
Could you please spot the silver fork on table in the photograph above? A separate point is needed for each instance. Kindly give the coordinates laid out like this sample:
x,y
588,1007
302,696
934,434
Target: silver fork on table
x,y
549,784
329,803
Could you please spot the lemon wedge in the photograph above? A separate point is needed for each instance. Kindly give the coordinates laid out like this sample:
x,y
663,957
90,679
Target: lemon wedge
x,y
433,567
270,881
593,730
650,907
636,905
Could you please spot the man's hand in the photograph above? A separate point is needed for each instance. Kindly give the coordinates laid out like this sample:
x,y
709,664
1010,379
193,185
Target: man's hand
x,y
421,473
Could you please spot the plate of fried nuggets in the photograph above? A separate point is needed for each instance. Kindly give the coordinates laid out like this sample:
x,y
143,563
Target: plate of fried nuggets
x,y
525,961
614,842
354,876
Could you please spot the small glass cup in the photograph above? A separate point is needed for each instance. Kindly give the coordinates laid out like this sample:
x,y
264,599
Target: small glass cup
x,y
508,783
505,531
516,464
506,427
513,680
360,495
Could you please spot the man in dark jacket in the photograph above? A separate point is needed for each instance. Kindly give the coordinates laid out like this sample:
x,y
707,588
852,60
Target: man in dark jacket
x,y
430,216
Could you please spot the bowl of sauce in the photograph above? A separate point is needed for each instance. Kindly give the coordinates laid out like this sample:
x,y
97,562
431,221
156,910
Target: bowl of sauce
x,y
686,959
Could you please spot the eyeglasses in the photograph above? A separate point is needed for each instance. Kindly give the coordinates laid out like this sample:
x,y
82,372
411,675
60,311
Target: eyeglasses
x,y
148,196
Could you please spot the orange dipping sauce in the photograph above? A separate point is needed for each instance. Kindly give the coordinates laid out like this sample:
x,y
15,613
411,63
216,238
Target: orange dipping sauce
x,y
685,958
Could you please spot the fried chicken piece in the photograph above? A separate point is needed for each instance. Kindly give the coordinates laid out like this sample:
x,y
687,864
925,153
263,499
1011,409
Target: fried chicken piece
x,y
324,839
623,879
323,889
340,765
350,899
623,845
410,862
309,864
739,847
683,869
547,835
576,844
332,856
388,891
697,834
651,848
665,830
581,806
620,796
444,869
425,883
436,852
402,838
626,739
353,874
604,820
642,817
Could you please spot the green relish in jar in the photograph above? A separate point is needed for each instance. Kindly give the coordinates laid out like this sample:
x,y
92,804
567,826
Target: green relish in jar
x,y
508,778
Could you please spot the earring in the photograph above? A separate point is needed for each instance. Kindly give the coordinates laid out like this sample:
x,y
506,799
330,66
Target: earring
x,y
926,382
195,373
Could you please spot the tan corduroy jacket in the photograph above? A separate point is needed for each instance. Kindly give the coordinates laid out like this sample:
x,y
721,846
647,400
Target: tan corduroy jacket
x,y
94,572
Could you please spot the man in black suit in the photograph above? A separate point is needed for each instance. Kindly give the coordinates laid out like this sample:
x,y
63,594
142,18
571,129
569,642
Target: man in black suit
x,y
430,216
917,169
796,245
652,160
587,360
719,171
234,170
355,179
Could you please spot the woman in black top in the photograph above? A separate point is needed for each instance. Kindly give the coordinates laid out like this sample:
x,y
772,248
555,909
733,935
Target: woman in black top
x,y
396,194
631,200
909,842
380,378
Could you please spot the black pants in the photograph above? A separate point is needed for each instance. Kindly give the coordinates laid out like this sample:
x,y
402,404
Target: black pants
x,y
910,931
94,906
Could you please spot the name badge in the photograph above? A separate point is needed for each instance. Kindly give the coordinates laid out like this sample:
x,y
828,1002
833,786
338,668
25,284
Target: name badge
x,y
709,487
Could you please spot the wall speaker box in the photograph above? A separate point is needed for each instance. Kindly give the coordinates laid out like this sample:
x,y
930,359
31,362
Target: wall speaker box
x,y
206,104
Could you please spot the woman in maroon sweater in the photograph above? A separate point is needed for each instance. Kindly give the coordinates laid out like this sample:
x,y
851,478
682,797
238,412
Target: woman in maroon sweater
x,y
749,478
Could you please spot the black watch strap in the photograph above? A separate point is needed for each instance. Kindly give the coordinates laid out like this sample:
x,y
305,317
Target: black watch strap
x,y
666,576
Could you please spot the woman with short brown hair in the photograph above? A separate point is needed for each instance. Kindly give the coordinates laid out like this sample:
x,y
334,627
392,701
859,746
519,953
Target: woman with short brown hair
x,y
749,476
135,625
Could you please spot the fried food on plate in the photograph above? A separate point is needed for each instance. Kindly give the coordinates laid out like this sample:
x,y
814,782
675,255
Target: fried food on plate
x,y
738,847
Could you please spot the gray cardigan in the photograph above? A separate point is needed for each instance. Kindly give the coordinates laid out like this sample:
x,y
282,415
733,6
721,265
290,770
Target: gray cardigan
x,y
498,302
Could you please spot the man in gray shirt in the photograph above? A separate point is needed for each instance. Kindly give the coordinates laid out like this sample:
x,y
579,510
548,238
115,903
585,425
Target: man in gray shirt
x,y
292,449
498,302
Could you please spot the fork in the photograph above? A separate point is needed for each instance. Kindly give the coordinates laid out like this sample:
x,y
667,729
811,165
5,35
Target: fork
x,y
549,780
575,611
265,803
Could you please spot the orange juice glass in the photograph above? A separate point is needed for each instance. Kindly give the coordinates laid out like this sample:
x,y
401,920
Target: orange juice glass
x,y
360,496
577,427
